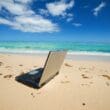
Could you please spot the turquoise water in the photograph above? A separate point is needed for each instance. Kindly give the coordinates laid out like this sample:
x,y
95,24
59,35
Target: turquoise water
x,y
46,46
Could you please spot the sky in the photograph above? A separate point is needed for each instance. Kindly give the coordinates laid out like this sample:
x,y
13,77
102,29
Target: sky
x,y
55,20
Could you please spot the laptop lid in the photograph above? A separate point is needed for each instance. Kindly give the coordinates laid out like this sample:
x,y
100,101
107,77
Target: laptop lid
x,y
52,65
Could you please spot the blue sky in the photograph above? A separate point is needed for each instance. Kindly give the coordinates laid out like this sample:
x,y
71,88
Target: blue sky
x,y
59,20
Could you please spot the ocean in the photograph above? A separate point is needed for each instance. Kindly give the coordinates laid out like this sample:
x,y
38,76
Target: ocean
x,y
92,48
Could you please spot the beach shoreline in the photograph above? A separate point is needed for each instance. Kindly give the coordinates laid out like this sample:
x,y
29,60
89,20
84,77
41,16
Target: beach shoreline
x,y
90,56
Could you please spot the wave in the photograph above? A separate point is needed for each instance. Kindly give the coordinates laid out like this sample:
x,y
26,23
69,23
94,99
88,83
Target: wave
x,y
43,52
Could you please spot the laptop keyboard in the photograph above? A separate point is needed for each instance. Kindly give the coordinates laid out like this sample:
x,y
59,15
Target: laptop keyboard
x,y
35,75
31,78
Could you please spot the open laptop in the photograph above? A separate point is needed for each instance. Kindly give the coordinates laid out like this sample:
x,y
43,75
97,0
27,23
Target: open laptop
x,y
38,77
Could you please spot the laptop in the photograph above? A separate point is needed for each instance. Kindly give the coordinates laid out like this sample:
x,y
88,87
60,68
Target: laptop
x,y
38,77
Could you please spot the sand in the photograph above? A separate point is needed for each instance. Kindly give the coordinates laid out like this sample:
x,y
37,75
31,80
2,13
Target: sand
x,y
81,85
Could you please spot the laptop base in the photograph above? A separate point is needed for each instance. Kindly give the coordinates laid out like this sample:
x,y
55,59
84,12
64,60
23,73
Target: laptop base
x,y
31,78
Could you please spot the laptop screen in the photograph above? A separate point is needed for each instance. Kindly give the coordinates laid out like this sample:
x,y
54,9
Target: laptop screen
x,y
52,65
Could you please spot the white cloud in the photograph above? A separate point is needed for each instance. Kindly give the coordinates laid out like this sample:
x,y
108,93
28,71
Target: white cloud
x,y
69,19
24,18
44,12
70,15
31,24
23,1
4,21
59,8
77,24
35,24
15,8
99,8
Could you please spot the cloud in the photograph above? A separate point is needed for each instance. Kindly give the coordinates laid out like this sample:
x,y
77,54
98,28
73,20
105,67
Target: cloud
x,y
69,19
70,15
77,24
15,8
59,8
4,21
35,24
44,12
24,18
23,1
99,8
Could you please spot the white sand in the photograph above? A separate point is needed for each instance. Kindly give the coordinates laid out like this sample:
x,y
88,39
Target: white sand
x,y
81,85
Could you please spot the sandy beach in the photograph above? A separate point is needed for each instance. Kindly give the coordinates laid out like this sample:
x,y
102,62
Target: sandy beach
x,y
81,85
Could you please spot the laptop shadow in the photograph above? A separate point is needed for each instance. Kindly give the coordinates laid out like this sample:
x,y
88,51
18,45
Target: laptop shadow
x,y
30,79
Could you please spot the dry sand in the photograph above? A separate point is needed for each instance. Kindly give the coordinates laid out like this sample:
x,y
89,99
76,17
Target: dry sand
x,y
81,85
